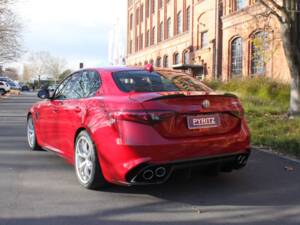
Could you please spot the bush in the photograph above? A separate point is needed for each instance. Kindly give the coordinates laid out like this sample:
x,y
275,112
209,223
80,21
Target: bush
x,y
257,92
266,104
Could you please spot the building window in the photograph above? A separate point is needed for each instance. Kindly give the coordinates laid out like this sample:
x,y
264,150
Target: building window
x,y
141,41
131,21
142,13
160,4
169,28
161,31
259,47
166,61
136,44
204,39
179,22
147,8
130,46
240,4
237,56
186,57
147,38
176,59
188,18
153,6
137,14
130,2
153,36
158,62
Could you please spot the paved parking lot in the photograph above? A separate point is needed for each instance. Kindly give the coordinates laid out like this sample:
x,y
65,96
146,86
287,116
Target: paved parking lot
x,y
40,188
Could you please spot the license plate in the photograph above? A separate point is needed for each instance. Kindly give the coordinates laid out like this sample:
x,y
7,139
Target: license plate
x,y
204,121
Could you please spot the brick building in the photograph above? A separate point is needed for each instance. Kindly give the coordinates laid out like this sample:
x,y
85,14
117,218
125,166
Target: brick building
x,y
208,38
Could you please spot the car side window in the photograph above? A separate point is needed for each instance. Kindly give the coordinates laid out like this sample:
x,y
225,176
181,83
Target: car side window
x,y
60,88
80,85
68,89
90,83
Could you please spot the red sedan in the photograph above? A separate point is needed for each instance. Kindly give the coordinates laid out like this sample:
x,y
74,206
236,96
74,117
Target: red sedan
x,y
134,126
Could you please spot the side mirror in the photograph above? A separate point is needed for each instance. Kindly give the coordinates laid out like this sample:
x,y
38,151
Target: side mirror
x,y
43,94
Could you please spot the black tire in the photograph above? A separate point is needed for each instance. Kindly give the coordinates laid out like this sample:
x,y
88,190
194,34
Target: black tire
x,y
96,179
2,92
32,140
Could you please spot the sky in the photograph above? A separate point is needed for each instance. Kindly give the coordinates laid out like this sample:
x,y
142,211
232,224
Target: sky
x,y
76,30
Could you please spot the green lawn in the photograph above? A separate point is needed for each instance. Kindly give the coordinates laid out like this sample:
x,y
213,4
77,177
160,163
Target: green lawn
x,y
266,104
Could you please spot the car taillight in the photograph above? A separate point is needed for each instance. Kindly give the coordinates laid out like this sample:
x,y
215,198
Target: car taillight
x,y
240,111
148,117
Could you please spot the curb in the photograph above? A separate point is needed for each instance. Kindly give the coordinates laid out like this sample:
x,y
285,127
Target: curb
x,y
4,96
14,93
11,93
275,153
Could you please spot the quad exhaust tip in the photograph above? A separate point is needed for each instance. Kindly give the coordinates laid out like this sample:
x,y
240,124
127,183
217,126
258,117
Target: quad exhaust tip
x,y
148,174
160,172
242,160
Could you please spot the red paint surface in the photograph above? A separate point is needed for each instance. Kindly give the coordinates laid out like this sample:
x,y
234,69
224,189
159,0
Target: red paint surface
x,y
125,140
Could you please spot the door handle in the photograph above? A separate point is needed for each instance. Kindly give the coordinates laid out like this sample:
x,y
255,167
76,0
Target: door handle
x,y
55,110
77,109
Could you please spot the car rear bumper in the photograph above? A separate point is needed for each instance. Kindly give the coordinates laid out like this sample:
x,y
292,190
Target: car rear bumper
x,y
124,157
141,174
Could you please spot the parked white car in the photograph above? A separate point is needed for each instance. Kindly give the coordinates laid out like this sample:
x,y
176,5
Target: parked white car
x,y
4,88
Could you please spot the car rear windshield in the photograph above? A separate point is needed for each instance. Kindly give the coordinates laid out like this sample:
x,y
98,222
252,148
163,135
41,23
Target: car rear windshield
x,y
159,81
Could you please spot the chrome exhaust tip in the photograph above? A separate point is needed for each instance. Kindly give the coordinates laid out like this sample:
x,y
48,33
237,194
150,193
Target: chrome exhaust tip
x,y
160,172
242,160
148,174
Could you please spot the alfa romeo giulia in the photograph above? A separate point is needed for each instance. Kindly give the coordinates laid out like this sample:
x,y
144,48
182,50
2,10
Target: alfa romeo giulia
x,y
137,126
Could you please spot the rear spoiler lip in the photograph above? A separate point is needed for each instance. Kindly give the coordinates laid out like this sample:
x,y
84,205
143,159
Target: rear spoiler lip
x,y
166,97
229,95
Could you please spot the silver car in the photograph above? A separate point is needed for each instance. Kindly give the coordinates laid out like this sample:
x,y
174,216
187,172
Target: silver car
x,y
4,88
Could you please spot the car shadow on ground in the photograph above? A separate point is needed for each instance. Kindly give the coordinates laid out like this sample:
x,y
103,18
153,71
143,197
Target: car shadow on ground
x,y
260,193
263,182
260,183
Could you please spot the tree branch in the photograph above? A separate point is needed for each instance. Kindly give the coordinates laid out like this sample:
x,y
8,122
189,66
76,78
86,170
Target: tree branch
x,y
274,7
10,39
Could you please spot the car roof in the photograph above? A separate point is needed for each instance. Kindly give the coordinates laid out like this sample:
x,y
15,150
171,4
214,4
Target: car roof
x,y
112,69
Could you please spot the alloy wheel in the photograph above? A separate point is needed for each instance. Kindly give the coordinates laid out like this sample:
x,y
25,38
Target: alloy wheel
x,y
30,133
85,158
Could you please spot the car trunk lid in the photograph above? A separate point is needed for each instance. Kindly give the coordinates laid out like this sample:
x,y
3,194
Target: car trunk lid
x,y
192,114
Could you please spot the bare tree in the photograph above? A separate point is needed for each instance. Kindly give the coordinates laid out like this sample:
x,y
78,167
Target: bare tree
x,y
64,74
43,63
56,67
11,73
37,61
27,72
10,47
287,13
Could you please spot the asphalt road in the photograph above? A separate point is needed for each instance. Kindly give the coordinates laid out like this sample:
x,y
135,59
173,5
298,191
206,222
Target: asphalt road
x,y
40,188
